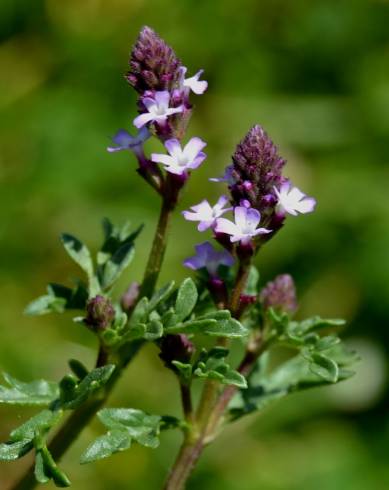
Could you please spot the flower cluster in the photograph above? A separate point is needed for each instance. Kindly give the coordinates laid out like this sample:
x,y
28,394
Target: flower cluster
x,y
260,197
164,111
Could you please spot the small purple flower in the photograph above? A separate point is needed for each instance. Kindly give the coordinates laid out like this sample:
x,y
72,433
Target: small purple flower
x,y
158,109
193,84
291,200
209,258
125,141
207,214
181,159
245,226
226,177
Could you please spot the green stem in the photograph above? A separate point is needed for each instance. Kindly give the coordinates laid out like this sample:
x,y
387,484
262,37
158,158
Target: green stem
x,y
157,252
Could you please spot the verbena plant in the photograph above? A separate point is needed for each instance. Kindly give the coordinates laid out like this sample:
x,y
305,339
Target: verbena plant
x,y
223,301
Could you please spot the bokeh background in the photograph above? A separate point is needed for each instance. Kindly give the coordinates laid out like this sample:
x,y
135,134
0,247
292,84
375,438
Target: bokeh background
x,y
316,76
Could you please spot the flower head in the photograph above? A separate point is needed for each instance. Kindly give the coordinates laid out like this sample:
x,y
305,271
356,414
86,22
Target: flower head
x,y
100,313
209,258
194,83
180,160
280,294
256,170
207,214
158,109
153,64
292,201
245,226
123,140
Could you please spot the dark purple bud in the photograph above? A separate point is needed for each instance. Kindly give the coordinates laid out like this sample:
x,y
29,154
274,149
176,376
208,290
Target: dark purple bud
x,y
256,170
218,290
130,297
245,300
176,348
280,294
100,313
153,64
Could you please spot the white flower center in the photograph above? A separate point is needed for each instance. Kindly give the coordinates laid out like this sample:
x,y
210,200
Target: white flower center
x,y
160,110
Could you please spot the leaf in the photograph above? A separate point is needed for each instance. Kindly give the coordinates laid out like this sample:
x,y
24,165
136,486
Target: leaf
x,y
185,370
154,330
186,299
58,299
39,392
114,441
42,422
313,324
46,468
78,252
40,472
212,365
116,264
216,324
78,368
125,425
140,313
11,451
45,304
94,380
324,367
161,295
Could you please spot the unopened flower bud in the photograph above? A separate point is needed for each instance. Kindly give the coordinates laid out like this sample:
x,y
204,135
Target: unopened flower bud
x,y
176,348
100,313
130,297
280,294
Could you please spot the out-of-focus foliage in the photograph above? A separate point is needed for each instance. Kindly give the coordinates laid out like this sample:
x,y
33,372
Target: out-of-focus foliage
x,y
316,76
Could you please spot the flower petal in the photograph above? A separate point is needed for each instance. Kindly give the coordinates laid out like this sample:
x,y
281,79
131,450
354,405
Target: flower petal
x,y
162,158
162,98
226,226
253,217
173,147
143,119
193,148
307,205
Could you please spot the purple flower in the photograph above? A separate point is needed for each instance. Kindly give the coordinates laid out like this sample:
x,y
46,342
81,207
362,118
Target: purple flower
x,y
193,84
207,214
158,109
125,141
153,64
226,177
181,159
256,171
280,294
209,258
291,200
245,226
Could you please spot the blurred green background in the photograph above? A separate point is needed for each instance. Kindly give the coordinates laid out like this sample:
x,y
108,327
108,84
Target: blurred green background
x,y
315,74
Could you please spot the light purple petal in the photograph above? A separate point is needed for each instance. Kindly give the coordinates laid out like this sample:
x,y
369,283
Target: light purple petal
x,y
193,147
162,98
149,103
198,160
143,119
197,86
174,110
173,147
307,205
204,225
189,216
162,158
253,217
240,215
226,226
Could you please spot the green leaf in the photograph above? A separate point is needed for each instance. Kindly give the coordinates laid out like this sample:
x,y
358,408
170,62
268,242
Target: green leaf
x,y
78,368
125,425
78,252
39,392
161,295
97,378
212,365
11,451
324,367
46,468
58,299
41,475
313,324
45,304
185,370
216,324
154,330
42,422
114,441
140,313
186,299
116,264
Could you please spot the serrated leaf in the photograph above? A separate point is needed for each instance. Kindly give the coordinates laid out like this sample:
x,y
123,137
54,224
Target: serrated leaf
x,y
96,379
324,367
114,441
186,299
78,252
212,365
14,450
39,392
125,425
42,422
